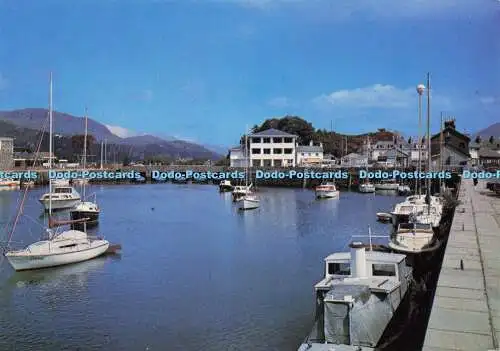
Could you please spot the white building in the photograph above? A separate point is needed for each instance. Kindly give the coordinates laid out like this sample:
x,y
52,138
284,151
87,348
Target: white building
x,y
237,157
354,160
310,154
272,148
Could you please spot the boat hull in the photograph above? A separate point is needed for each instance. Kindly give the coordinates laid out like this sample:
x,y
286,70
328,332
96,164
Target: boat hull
x,y
327,194
246,204
366,189
225,188
93,217
386,187
29,262
60,204
411,243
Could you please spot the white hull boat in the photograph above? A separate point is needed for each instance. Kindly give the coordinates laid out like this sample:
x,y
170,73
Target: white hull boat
x,y
68,247
62,198
327,191
412,238
9,183
60,182
366,188
80,181
387,185
249,202
384,216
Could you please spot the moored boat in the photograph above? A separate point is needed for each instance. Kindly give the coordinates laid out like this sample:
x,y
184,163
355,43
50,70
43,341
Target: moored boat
x,y
225,185
366,188
412,238
386,184
327,191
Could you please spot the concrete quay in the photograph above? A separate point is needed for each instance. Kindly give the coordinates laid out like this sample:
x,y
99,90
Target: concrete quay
x,y
466,309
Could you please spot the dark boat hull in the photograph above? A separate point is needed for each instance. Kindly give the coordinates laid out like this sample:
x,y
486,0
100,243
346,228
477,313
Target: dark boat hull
x,y
93,218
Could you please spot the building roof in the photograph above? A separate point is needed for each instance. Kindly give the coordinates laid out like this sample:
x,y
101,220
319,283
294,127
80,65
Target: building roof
x,y
453,131
309,148
488,153
273,132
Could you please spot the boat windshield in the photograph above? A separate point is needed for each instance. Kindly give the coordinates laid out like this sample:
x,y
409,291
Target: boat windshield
x,y
417,226
62,190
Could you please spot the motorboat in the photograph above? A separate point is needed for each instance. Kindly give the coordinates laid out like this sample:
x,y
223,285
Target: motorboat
x,y
86,210
225,185
249,202
412,238
327,191
412,205
62,197
386,184
9,183
366,188
384,217
404,190
355,301
60,182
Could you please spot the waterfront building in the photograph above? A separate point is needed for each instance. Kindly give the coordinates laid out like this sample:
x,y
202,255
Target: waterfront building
x,y
237,156
455,147
354,160
272,148
6,153
485,152
310,155
23,159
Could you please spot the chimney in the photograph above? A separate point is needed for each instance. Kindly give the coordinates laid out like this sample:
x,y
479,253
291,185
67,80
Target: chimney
x,y
311,143
358,260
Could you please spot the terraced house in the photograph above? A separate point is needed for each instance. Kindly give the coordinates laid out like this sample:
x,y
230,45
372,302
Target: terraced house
x,y
6,153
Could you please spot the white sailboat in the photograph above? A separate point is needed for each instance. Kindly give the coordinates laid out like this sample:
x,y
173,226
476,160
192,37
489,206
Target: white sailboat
x,y
86,209
57,249
248,201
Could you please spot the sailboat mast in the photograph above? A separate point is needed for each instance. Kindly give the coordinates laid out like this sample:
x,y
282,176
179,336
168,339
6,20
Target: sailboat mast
x,y
50,144
102,146
85,151
429,139
441,151
248,157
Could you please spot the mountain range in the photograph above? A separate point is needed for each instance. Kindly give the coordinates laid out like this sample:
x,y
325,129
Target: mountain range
x,y
493,130
23,124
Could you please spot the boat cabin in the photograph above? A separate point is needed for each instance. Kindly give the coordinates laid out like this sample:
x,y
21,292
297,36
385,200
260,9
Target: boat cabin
x,y
414,227
62,193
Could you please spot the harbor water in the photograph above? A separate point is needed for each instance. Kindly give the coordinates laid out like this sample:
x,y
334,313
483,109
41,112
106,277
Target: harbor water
x,y
194,272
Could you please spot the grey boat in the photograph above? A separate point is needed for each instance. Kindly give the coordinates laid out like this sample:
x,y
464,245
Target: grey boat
x,y
357,299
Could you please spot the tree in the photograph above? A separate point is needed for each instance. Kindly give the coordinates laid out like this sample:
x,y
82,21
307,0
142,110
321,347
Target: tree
x,y
126,161
492,139
77,143
409,140
478,139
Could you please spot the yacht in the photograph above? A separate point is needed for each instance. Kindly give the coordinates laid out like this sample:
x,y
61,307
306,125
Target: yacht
x,y
357,298
62,197
225,185
387,184
412,205
241,190
366,188
248,201
412,238
327,190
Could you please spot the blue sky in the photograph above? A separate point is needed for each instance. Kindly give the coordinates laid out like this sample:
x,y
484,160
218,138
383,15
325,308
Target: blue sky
x,y
203,70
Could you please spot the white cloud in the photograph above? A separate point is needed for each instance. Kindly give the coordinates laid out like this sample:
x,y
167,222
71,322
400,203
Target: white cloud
x,y
489,100
386,9
121,132
375,96
4,83
279,102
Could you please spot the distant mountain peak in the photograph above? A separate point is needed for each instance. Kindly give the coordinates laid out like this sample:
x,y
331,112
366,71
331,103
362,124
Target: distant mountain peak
x,y
492,130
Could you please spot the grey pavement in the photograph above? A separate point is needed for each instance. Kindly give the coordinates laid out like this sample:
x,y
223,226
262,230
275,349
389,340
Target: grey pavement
x,y
466,310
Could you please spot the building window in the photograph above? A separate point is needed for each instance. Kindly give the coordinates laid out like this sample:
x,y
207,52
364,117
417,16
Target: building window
x,y
255,151
278,163
277,140
266,140
317,154
256,163
277,151
267,151
256,140
267,163
288,140
462,145
288,151
303,154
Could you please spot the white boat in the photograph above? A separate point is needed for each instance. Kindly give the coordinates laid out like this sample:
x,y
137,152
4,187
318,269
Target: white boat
x,y
360,293
60,182
387,184
413,205
67,247
412,238
28,183
327,190
225,185
80,181
9,183
62,197
366,188
57,249
239,191
433,218
248,201
384,216
87,209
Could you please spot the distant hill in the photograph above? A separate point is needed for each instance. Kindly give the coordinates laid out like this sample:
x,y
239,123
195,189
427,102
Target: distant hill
x,y
493,130
24,125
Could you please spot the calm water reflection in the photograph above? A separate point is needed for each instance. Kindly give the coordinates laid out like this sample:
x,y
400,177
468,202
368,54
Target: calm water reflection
x,y
195,273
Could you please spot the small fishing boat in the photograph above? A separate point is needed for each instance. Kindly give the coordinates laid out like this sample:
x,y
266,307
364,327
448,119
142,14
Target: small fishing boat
x,y
366,188
327,190
225,185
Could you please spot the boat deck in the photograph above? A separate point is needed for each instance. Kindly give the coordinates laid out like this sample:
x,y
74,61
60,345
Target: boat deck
x,y
382,284
466,309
